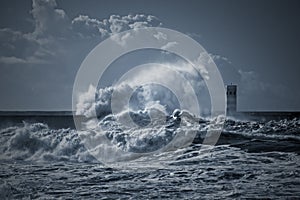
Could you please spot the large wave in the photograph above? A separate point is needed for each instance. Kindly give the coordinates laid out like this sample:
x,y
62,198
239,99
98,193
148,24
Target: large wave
x,y
149,123
37,142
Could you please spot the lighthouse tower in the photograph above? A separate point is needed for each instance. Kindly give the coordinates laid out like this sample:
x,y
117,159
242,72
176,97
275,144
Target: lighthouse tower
x,y
231,100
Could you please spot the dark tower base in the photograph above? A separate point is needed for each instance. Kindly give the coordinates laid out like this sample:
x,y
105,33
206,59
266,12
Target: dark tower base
x,y
231,93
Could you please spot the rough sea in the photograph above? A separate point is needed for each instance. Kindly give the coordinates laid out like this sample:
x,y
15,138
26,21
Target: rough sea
x,y
251,160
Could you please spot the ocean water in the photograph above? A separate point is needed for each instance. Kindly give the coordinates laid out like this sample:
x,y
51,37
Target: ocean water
x,y
251,160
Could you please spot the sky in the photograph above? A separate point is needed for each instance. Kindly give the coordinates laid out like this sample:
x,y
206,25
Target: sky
x,y
254,44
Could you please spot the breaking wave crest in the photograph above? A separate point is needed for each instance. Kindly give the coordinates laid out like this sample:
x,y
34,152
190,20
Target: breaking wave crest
x,y
38,142
150,123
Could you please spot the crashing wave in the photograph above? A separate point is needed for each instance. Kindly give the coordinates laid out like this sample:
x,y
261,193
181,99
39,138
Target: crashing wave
x,y
40,143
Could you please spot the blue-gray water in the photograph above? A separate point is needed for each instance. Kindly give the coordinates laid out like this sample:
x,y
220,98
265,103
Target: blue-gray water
x,y
252,160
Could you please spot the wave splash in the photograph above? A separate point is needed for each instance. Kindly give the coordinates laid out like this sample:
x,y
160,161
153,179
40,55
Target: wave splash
x,y
151,124
37,142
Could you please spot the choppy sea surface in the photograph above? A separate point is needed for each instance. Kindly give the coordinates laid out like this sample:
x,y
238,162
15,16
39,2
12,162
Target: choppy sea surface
x,y
251,160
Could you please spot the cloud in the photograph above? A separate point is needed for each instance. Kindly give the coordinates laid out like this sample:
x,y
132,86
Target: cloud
x,y
216,57
42,44
16,43
87,27
254,91
14,60
160,36
42,63
48,19
169,45
201,62
121,38
56,37
119,23
195,35
249,81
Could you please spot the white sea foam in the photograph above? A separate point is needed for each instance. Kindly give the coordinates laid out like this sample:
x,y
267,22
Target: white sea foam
x,y
38,142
